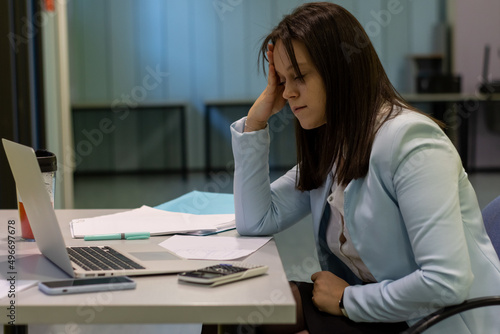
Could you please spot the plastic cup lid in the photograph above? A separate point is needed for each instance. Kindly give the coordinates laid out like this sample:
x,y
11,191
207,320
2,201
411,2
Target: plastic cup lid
x,y
47,161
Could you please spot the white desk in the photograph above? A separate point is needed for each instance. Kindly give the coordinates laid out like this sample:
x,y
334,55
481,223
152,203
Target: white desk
x,y
157,299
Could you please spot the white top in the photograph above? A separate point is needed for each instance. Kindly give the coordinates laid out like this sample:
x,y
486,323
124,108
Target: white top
x,y
337,235
338,238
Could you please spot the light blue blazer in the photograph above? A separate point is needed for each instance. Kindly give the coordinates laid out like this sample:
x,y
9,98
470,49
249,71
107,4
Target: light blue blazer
x,y
414,220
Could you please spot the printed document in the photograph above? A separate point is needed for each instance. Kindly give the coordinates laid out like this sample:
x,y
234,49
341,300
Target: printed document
x,y
214,247
154,221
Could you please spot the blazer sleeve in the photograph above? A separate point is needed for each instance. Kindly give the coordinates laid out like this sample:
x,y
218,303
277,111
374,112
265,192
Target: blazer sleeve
x,y
262,208
425,174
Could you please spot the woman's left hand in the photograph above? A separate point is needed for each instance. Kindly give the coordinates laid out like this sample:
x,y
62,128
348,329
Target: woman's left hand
x,y
328,290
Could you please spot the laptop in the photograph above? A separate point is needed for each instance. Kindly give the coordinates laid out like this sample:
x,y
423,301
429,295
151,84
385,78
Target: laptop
x,y
130,260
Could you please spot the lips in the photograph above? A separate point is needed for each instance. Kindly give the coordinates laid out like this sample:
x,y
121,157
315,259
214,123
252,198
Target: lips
x,y
297,109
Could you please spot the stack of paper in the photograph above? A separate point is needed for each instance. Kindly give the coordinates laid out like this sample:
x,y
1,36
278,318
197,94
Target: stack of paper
x,y
154,221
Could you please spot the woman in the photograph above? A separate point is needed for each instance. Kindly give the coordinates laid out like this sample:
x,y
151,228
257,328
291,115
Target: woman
x,y
398,228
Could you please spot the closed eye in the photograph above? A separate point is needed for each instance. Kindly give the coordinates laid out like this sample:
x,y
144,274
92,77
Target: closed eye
x,y
300,77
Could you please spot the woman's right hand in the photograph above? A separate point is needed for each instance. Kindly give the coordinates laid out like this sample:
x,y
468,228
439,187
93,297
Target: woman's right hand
x,y
269,102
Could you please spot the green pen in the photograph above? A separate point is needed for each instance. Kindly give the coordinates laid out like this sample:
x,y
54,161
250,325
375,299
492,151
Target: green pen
x,y
118,236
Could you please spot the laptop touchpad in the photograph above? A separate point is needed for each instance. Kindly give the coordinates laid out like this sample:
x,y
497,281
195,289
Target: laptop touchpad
x,y
154,256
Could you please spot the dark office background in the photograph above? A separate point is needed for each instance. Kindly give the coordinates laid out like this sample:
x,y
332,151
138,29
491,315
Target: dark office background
x,y
21,86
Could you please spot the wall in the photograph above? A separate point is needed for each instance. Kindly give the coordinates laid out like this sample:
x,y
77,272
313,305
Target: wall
x,y
207,49
477,23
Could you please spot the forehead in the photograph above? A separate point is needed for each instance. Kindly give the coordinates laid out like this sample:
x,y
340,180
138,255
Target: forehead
x,y
282,60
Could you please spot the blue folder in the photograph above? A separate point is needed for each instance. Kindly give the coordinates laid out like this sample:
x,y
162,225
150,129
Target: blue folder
x,y
202,203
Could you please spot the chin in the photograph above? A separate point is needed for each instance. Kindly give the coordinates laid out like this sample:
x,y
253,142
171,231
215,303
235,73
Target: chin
x,y
311,126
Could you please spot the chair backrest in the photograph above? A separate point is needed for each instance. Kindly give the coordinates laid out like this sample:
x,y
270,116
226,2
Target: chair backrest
x,y
448,311
491,217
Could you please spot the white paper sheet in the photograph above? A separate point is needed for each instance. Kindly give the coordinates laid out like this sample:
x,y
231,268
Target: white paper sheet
x,y
154,221
213,247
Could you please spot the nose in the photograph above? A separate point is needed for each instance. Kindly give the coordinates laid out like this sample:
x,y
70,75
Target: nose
x,y
290,91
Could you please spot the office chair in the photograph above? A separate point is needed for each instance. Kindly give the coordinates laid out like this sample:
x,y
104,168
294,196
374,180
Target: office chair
x,y
491,218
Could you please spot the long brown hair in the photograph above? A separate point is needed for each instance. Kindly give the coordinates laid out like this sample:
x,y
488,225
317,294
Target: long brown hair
x,y
356,88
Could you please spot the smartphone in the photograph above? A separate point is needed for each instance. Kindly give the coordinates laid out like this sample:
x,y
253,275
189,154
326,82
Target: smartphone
x,y
81,285
222,273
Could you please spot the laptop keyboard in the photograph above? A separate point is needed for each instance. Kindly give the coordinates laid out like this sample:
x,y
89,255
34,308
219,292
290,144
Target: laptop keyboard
x,y
101,258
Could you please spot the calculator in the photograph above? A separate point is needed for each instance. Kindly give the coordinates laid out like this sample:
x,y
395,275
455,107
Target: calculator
x,y
222,273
